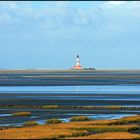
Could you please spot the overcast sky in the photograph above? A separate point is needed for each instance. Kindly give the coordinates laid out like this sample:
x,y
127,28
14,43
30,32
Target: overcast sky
x,y
49,35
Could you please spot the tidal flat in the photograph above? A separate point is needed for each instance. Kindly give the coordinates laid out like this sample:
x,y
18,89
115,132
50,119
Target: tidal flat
x,y
68,77
41,115
104,95
67,101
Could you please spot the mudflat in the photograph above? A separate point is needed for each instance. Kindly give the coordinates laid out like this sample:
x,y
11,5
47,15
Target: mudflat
x,y
68,77
69,99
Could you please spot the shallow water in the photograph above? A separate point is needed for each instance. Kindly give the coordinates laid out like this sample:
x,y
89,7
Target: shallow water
x,y
112,92
110,89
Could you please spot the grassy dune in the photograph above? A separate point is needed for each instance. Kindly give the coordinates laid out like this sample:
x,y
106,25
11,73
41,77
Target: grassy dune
x,y
95,129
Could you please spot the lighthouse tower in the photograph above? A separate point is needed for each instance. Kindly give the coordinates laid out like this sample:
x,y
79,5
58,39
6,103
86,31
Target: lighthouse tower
x,y
77,63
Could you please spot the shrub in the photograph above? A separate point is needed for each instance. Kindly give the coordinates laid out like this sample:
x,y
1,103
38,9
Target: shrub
x,y
53,121
20,114
79,118
31,123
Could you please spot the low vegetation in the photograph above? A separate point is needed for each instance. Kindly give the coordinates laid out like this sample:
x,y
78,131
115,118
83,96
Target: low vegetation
x,y
110,135
52,121
125,120
40,132
21,114
50,106
90,129
72,107
79,118
31,123
107,128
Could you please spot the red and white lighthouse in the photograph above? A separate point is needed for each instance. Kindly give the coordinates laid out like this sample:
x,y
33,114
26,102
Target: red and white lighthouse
x,y
77,63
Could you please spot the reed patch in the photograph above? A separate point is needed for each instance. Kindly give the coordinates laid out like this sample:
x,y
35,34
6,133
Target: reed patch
x,y
53,121
21,114
30,123
79,118
83,129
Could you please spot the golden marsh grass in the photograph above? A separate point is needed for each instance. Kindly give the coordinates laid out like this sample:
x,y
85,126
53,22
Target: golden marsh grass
x,y
21,114
110,135
82,129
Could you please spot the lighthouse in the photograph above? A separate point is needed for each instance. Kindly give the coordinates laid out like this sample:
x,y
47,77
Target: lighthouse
x,y
77,63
